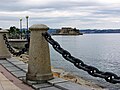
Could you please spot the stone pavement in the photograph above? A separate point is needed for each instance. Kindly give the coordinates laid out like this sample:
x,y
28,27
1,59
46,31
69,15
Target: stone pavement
x,y
9,82
18,69
5,84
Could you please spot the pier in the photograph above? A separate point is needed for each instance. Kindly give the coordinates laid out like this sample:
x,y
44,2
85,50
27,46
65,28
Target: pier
x,y
37,73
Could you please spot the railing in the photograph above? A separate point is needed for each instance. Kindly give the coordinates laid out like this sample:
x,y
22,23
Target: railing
x,y
39,63
93,71
10,48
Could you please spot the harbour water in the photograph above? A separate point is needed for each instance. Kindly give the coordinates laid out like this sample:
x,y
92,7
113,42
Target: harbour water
x,y
99,50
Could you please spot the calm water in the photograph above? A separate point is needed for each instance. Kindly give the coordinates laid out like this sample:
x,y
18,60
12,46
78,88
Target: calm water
x,y
99,50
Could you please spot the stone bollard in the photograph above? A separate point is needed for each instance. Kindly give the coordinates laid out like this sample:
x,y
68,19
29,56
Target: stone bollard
x,y
4,53
39,67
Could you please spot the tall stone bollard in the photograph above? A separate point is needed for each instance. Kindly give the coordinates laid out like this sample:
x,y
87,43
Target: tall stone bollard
x,y
4,53
39,67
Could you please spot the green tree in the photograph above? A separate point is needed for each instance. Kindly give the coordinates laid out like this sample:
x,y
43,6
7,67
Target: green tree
x,y
14,32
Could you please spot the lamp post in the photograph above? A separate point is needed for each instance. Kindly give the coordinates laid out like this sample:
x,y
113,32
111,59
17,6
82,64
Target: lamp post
x,y
21,27
27,26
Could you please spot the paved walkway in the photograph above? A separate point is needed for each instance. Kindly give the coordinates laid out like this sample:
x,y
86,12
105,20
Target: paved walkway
x,y
9,82
17,75
5,84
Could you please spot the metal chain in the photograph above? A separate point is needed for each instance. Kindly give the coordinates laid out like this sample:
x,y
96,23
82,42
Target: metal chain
x,y
10,48
93,71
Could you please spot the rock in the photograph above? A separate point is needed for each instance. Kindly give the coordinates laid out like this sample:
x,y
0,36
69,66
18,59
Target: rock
x,y
61,73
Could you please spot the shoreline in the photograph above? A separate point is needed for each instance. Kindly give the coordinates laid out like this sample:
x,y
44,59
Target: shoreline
x,y
60,73
67,34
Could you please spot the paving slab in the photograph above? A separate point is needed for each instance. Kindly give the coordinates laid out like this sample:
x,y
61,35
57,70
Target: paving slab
x,y
18,63
2,77
7,64
19,74
3,61
1,88
8,77
25,70
23,66
19,70
7,85
12,59
70,86
12,69
57,80
44,85
22,78
29,82
51,88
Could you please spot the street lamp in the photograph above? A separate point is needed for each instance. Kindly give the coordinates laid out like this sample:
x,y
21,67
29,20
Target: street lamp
x,y
27,32
21,27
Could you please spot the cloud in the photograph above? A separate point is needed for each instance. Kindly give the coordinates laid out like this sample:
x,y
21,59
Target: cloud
x,y
77,13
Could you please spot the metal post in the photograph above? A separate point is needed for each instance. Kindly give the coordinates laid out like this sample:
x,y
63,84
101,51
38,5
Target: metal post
x,y
27,32
4,53
39,67
21,27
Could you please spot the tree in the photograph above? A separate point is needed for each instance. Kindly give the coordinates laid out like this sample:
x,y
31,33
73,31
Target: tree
x,y
14,32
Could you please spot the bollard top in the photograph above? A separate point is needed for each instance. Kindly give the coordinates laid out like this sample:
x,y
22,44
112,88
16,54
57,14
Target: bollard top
x,y
3,31
39,27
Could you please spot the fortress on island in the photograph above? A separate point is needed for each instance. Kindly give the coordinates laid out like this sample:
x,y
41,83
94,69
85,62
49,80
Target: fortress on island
x,y
68,31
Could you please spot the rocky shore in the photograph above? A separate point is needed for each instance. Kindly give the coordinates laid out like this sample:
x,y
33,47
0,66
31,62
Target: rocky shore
x,y
57,72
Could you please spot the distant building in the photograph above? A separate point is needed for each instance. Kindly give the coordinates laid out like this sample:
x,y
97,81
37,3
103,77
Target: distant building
x,y
69,31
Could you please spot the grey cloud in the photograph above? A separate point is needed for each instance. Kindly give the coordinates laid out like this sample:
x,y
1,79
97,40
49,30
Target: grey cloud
x,y
58,5
67,6
12,7
96,11
64,19
8,18
109,11
8,1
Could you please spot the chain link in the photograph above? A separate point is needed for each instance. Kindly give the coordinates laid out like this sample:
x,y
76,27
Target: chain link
x,y
93,71
10,48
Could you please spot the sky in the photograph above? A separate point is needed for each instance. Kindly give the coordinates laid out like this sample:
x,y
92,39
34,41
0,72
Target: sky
x,y
82,14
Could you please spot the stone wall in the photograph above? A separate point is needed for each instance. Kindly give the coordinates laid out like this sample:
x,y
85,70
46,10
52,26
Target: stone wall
x,y
17,43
